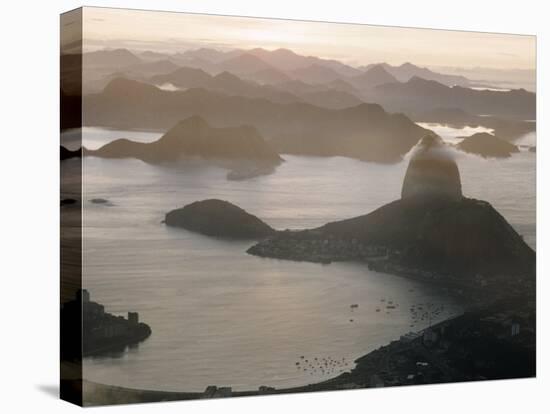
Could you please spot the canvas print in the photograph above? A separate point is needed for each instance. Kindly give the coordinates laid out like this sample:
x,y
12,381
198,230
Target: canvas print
x,y
262,206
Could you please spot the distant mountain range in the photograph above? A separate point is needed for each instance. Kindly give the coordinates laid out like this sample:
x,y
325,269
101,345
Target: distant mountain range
x,y
116,57
284,77
406,71
374,76
420,95
224,82
292,91
268,66
364,131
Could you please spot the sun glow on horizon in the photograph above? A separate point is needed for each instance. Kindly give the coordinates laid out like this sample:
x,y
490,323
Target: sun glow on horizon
x,y
355,44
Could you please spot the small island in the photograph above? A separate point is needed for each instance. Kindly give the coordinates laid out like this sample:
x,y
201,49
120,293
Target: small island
x,y
101,201
487,146
218,218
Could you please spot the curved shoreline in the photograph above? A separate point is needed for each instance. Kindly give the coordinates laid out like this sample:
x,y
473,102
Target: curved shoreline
x,y
442,353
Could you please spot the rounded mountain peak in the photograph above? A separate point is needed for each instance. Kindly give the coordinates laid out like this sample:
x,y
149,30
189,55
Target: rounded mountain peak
x,y
432,172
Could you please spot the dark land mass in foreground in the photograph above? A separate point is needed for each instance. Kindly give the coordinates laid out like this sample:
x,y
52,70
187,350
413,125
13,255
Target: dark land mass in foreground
x,y
90,331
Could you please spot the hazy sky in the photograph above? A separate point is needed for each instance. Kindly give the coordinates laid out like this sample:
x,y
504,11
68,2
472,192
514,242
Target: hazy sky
x,y
351,43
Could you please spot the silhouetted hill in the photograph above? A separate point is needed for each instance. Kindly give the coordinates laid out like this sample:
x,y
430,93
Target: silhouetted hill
x,y
465,237
487,145
420,95
120,87
193,137
224,82
406,71
365,131
287,60
218,218
374,76
283,60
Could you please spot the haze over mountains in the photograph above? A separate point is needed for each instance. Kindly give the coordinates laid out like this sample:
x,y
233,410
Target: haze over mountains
x,y
364,131
194,137
292,91
420,95
406,71
299,104
406,88
271,66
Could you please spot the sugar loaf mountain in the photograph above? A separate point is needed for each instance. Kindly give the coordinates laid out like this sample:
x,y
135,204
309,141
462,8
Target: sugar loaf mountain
x,y
240,148
365,131
432,232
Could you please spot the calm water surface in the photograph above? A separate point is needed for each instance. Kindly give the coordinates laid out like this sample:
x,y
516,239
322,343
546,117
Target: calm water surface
x,y
220,316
